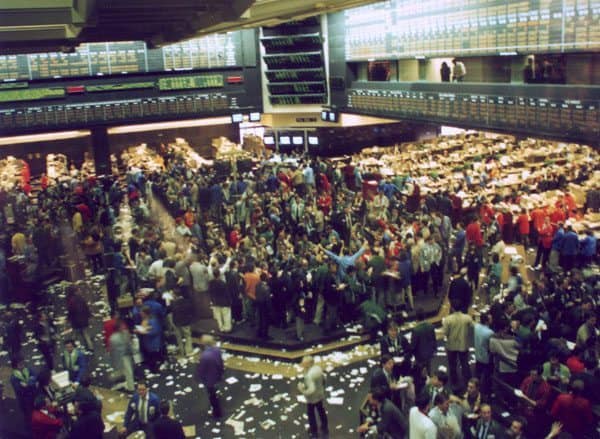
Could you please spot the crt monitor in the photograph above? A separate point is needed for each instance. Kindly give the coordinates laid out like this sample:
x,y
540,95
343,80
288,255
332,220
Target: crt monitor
x,y
285,140
324,115
313,140
254,116
298,140
333,116
269,140
237,118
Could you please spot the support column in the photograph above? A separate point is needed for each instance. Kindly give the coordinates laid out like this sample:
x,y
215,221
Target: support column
x,y
101,149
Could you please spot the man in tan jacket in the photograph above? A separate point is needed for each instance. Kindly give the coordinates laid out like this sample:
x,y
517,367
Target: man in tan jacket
x,y
458,329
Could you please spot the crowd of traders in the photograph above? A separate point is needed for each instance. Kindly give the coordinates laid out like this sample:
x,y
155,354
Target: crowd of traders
x,y
299,241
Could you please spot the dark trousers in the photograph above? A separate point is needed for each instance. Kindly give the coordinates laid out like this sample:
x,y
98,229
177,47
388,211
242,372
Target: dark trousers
x,y
568,262
425,275
332,318
312,418
437,278
524,239
262,309
96,263
214,401
151,359
542,255
458,359
47,350
484,372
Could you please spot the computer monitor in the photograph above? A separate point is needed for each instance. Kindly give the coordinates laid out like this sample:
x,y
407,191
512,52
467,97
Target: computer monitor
x,y
237,118
333,116
298,140
324,115
285,140
269,140
313,140
254,116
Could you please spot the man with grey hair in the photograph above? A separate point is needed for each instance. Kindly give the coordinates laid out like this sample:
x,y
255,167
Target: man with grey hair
x,y
313,389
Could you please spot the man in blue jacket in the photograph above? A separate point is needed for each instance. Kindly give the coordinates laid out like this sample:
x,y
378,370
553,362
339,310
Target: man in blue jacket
x,y
150,333
555,252
588,248
569,249
210,372
142,411
74,361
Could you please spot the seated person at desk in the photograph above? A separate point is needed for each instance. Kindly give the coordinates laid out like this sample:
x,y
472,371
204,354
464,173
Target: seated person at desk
x,y
142,410
396,345
74,361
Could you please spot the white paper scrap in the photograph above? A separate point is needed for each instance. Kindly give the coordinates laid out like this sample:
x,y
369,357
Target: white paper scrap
x,y
336,401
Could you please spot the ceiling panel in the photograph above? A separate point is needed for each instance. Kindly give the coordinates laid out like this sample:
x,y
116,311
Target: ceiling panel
x,y
60,25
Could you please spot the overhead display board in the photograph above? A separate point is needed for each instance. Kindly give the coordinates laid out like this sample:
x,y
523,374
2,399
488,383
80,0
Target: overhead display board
x,y
190,82
559,111
404,28
124,110
295,63
126,57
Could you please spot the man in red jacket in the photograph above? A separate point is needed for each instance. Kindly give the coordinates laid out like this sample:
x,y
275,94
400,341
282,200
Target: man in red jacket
x,y
545,235
108,328
474,236
523,227
44,423
573,411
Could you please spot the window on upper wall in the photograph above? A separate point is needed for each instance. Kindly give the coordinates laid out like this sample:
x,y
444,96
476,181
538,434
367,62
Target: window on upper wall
x,y
380,70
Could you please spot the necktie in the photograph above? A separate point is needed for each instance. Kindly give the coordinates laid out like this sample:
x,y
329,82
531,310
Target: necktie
x,y
143,419
433,394
483,430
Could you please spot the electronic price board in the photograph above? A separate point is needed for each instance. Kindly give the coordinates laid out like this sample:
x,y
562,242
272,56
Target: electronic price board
x,y
295,63
537,110
74,114
126,57
190,82
30,94
403,28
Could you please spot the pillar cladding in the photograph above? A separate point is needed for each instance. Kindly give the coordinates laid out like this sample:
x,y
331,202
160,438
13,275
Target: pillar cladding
x,y
101,150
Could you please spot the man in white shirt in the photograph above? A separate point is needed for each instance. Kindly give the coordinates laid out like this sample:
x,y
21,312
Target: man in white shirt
x,y
444,418
459,71
156,270
419,424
